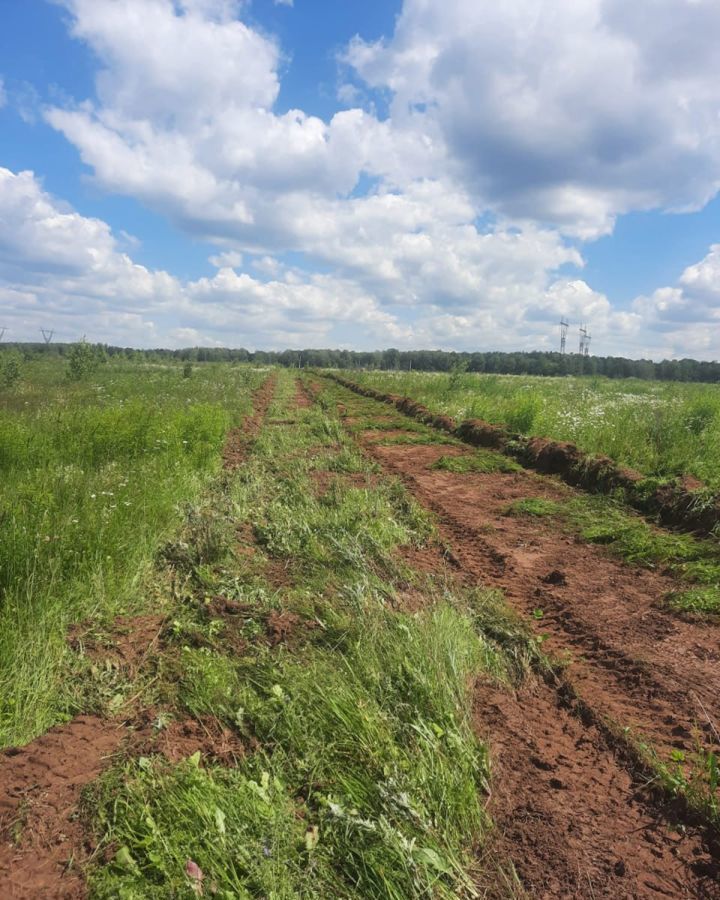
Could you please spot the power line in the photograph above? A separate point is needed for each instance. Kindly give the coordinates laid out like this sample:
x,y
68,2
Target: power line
x,y
583,339
563,334
2,333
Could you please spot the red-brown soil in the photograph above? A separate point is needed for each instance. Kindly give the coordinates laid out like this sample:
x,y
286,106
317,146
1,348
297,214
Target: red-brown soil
x,y
132,640
632,661
303,400
41,843
240,439
675,503
281,627
181,739
572,821
572,815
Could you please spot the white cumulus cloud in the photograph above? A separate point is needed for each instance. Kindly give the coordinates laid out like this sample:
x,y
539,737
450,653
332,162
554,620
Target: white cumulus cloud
x,y
571,111
511,127
61,270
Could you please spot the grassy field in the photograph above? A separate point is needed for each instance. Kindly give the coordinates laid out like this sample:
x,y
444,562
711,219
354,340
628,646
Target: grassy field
x,y
94,474
367,779
286,655
661,429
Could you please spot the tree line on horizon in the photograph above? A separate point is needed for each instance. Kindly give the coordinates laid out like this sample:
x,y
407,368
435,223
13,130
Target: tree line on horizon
x,y
534,362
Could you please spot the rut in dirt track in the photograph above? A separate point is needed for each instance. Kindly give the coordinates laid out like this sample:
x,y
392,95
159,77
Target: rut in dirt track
x,y
42,843
632,661
571,816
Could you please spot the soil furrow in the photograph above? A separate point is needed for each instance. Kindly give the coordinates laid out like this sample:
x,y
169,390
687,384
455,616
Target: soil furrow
x,y
303,400
630,660
570,814
239,440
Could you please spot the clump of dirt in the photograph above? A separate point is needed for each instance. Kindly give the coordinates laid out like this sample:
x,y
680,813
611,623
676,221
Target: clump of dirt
x,y
281,626
482,434
278,573
180,739
222,607
128,644
42,844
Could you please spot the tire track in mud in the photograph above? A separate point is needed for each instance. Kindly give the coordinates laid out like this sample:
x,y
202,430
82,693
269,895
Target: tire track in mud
x,y
43,845
572,816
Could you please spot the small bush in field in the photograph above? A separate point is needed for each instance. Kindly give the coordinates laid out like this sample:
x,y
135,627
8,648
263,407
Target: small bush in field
x,y
84,359
10,371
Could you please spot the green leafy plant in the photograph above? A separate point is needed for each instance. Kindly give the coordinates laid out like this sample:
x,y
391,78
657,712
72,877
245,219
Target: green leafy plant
x,y
84,359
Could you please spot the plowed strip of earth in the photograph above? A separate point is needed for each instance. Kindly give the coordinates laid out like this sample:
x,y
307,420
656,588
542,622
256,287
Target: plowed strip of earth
x,y
240,439
303,400
42,845
573,818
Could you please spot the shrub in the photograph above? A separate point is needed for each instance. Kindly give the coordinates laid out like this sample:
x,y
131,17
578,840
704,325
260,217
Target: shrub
x,y
84,359
10,371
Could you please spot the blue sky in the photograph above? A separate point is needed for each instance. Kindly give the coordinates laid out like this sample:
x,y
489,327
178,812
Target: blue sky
x,y
414,173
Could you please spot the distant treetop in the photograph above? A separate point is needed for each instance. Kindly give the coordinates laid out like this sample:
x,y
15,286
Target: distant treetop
x,y
535,362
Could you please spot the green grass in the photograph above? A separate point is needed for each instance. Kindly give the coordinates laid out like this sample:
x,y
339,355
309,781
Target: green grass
x,y
93,477
675,427
366,779
534,506
481,461
601,520
393,423
429,437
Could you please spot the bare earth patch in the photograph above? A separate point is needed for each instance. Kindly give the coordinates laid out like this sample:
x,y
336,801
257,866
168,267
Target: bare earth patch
x,y
41,842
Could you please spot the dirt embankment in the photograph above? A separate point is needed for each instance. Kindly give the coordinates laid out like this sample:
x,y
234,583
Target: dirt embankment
x,y
684,503
574,813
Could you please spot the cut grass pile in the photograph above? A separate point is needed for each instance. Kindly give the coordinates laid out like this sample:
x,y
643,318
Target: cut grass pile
x,y
92,477
363,777
601,520
675,427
